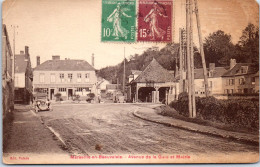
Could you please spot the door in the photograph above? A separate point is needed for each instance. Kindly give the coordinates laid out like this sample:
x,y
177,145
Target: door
x,y
52,94
70,93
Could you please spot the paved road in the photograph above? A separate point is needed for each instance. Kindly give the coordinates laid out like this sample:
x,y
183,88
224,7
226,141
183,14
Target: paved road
x,y
112,129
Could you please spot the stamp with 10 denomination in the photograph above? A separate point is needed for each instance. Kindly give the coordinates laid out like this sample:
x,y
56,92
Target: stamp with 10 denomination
x,y
118,20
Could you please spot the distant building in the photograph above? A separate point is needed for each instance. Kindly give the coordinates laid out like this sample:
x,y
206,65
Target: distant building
x,y
23,77
7,73
215,81
134,74
111,88
240,78
67,77
102,86
154,84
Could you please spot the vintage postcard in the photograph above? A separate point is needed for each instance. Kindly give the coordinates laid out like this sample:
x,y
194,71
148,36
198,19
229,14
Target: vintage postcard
x,y
130,81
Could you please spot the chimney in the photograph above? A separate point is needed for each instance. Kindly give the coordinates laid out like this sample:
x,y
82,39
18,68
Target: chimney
x,y
93,59
26,57
38,61
21,52
232,63
55,57
211,66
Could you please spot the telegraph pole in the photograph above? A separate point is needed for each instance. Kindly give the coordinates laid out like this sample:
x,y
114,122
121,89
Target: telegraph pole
x,y
192,62
181,60
124,75
201,49
188,15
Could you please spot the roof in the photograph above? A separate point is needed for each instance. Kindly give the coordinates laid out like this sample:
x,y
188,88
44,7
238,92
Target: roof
x,y
236,70
218,72
112,86
136,72
19,63
64,65
154,72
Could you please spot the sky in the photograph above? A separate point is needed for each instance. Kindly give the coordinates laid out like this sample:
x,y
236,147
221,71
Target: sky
x,y
72,28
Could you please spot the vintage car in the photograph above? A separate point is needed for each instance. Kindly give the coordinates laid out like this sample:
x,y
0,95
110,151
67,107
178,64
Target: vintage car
x,y
41,102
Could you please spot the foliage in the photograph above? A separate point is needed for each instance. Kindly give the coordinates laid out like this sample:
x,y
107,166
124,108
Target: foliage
x,y
234,112
58,97
218,48
76,97
248,45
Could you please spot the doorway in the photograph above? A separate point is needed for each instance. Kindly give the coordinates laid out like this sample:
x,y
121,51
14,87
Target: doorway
x,y
70,93
51,94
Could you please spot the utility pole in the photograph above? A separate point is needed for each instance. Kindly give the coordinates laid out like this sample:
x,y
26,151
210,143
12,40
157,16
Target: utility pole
x,y
201,49
181,60
124,75
192,62
13,68
188,15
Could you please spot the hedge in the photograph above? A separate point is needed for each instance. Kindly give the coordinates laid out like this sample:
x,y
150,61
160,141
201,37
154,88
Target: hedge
x,y
234,112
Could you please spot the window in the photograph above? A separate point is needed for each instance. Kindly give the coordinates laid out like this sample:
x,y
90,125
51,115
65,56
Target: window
x,y
211,73
210,84
70,77
78,77
52,77
231,81
253,80
62,89
87,77
241,81
62,77
42,77
243,69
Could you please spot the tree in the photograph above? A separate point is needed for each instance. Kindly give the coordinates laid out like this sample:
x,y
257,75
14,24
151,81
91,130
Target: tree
x,y
247,48
218,48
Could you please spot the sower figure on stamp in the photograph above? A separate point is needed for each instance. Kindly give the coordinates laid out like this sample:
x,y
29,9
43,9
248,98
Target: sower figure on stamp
x,y
119,30
153,19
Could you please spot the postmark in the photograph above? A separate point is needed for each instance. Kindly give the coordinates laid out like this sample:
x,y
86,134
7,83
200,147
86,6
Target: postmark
x,y
118,20
155,20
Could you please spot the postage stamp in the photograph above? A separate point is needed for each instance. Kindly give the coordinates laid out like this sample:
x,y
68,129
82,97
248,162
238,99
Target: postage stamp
x,y
155,20
118,20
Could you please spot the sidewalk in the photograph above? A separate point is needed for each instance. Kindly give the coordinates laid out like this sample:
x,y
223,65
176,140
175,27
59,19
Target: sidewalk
x,y
149,114
28,135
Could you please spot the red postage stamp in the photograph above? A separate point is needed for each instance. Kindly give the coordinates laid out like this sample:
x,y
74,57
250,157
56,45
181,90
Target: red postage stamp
x,y
155,20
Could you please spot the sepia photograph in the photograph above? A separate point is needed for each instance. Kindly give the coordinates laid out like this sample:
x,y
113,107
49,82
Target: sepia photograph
x,y
130,81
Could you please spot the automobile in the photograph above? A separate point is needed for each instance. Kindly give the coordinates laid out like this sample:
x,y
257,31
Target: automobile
x,y
41,102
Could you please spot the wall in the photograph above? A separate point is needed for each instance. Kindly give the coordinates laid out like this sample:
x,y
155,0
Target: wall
x,y
19,80
216,88
47,78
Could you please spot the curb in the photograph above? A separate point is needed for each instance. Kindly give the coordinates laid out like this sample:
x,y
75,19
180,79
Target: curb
x,y
247,141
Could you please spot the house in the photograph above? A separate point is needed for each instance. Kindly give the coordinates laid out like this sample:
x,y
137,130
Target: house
x,y
154,84
23,77
215,80
7,73
102,86
134,74
240,78
111,88
67,77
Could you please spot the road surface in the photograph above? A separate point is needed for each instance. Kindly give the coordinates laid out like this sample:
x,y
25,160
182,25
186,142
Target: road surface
x,y
88,129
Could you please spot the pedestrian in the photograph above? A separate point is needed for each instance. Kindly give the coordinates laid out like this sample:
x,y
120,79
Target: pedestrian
x,y
48,103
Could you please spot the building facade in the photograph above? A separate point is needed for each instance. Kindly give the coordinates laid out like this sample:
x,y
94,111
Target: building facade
x,y
155,84
240,79
23,77
67,77
7,74
215,81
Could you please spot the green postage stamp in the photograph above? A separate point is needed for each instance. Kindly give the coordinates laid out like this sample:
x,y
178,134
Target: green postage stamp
x,y
118,20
